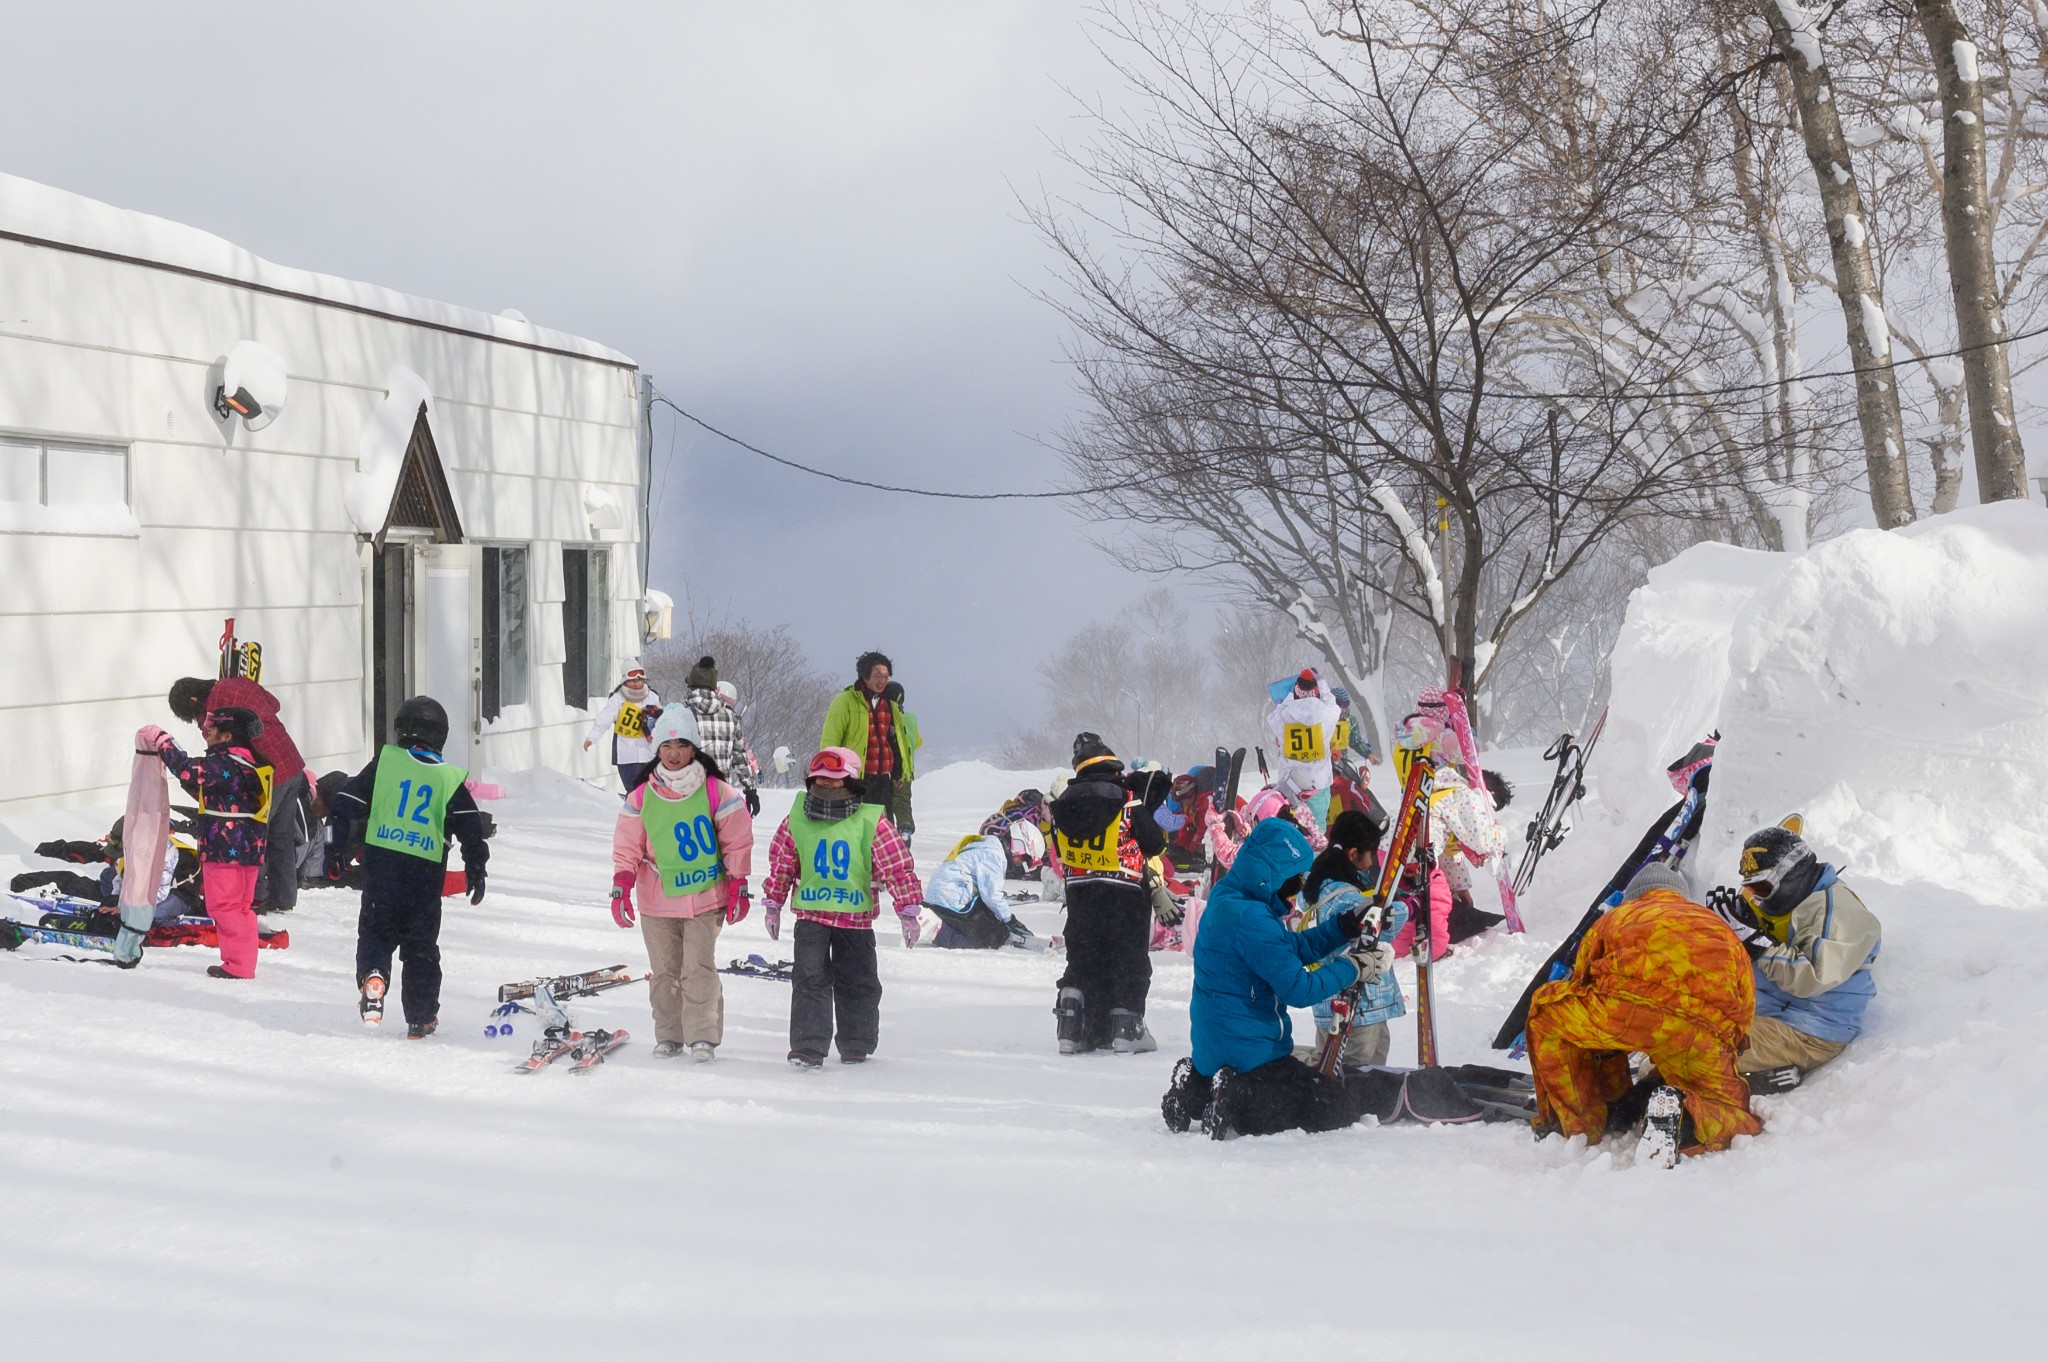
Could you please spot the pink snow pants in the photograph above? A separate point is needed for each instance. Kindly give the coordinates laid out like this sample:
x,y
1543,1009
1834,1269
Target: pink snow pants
x,y
229,890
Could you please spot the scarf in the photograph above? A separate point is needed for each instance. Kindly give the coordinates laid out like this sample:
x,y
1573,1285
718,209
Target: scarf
x,y
634,696
821,809
677,784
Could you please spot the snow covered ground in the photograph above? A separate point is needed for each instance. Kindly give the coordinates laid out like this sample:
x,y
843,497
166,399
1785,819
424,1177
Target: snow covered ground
x,y
198,1168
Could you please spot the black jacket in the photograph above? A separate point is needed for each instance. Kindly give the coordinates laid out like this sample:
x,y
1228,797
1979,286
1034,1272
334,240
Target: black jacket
x,y
1088,806
392,877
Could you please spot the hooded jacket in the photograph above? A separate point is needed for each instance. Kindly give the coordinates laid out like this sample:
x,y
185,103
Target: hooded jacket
x,y
1819,980
1318,711
1092,803
1249,969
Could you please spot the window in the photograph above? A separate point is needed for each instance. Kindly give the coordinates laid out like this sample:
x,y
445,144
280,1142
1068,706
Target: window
x,y
56,487
586,623
504,661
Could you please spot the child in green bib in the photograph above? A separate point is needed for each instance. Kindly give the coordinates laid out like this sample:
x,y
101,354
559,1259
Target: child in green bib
x,y
829,859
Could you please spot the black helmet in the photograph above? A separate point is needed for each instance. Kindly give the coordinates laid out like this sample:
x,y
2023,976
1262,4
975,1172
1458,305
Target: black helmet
x,y
421,722
1089,747
1777,868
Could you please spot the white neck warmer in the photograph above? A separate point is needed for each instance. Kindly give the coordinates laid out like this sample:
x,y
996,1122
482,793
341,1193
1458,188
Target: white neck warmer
x,y
678,784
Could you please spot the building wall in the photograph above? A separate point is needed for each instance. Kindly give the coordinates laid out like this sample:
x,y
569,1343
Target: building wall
x,y
95,626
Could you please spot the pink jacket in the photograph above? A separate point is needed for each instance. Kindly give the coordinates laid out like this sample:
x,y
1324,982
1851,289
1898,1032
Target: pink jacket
x,y
631,851
1439,922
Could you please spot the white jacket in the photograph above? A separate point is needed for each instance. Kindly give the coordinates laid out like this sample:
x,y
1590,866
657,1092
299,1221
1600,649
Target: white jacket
x,y
1299,717
625,751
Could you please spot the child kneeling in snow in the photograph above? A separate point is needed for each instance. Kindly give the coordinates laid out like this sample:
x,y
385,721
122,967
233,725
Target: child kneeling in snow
x,y
683,847
836,852
966,893
234,801
1243,1078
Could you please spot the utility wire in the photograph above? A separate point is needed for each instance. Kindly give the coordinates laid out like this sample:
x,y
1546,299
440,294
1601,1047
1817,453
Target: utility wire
x,y
699,421
1621,394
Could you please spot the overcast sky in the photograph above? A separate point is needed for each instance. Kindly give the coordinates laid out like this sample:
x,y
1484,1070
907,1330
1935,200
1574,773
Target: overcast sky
x,y
801,218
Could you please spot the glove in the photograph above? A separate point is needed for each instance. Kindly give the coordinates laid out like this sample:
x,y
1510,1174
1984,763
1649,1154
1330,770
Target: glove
x,y
150,738
1734,910
753,806
1167,911
475,876
736,905
1372,961
771,917
1352,923
622,898
335,866
647,718
912,928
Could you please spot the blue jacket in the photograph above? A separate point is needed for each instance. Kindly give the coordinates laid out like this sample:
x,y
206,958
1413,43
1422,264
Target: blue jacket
x,y
1249,969
1818,979
1380,1000
974,872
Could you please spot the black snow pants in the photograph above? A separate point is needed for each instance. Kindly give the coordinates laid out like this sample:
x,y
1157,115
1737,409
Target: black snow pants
x,y
834,979
1286,1095
413,931
1109,950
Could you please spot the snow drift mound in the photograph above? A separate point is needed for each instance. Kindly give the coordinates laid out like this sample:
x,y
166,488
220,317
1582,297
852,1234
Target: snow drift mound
x,y
1892,687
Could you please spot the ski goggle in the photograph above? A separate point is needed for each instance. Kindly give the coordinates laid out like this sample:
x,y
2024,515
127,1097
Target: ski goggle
x,y
1759,890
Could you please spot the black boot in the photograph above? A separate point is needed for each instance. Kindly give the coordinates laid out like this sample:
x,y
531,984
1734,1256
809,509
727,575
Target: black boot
x,y
1072,1011
1219,1118
1626,1110
1187,1097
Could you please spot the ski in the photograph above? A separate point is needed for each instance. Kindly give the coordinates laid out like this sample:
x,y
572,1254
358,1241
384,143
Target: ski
x,y
1668,840
593,1046
1236,780
14,934
1265,776
1567,787
549,1048
759,967
1425,942
569,985
1410,832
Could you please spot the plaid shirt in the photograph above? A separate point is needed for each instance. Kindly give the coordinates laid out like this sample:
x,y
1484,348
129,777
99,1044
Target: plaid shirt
x,y
719,727
894,872
881,756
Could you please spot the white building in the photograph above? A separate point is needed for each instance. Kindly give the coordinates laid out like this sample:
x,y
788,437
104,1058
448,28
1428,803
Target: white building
x,y
430,500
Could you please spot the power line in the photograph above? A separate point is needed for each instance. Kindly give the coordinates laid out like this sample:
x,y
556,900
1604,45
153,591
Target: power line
x,y
699,421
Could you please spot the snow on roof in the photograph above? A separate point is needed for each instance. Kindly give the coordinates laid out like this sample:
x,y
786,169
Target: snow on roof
x,y
30,209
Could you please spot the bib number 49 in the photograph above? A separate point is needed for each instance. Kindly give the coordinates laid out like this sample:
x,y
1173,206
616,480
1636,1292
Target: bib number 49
x,y
833,860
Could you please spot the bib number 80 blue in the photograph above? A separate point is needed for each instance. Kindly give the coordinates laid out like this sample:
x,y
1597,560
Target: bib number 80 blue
x,y
696,838
840,864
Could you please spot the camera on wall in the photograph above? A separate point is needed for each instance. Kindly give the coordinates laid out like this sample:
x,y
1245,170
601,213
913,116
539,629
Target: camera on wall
x,y
249,385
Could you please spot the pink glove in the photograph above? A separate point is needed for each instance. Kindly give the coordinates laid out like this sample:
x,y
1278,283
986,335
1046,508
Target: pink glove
x,y
771,914
912,928
622,898
736,904
150,738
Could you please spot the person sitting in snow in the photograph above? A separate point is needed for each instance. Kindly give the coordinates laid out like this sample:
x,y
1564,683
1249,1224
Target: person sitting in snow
x,y
837,851
1023,813
1657,973
1813,943
1340,881
966,894
1243,1077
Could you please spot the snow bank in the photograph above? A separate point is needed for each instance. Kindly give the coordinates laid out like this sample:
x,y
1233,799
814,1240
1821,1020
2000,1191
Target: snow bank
x,y
1670,666
1889,686
39,210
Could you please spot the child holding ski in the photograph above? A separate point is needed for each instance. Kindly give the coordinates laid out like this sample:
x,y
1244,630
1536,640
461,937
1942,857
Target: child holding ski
x,y
681,851
836,851
1339,882
413,803
234,801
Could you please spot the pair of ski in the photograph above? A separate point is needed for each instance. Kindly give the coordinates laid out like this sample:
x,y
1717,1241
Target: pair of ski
x,y
1567,787
559,1038
1408,846
758,966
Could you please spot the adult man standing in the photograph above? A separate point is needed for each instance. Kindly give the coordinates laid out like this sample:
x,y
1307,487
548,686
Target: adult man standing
x,y
288,812
864,720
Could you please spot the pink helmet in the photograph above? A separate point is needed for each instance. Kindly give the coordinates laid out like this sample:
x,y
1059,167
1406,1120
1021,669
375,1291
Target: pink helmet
x,y
1265,804
834,763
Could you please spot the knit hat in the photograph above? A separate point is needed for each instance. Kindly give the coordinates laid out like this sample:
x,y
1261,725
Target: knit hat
x,y
636,675
1655,875
676,724
1089,747
703,676
1305,684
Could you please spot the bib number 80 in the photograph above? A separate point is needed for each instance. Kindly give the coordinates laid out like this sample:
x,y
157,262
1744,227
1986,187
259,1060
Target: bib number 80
x,y
696,838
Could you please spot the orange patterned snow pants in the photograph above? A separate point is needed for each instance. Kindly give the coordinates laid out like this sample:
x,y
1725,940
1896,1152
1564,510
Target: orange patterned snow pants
x,y
1658,974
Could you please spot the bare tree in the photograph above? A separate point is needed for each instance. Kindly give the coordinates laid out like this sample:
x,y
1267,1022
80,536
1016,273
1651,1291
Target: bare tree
x,y
782,695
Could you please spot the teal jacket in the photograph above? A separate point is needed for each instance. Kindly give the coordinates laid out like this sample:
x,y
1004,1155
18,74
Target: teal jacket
x,y
1249,969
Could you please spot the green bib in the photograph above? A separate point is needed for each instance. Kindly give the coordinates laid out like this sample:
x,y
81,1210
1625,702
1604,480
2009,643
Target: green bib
x,y
409,805
684,839
835,861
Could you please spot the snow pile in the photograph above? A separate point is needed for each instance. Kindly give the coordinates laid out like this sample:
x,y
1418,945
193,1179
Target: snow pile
x,y
1889,686
1670,666
1893,687
50,214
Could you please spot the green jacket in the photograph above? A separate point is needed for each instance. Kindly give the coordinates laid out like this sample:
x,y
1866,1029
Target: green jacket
x,y
846,725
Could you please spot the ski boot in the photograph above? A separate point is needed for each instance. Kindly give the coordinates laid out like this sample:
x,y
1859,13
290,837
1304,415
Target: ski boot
x,y
1127,1033
1219,1118
1186,1097
371,1005
701,1051
1662,1132
421,1030
1072,1010
669,1049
